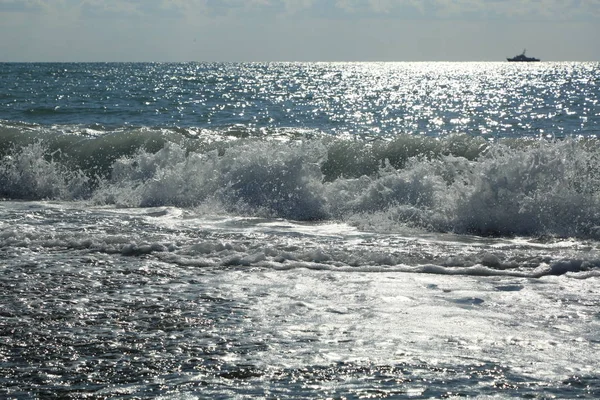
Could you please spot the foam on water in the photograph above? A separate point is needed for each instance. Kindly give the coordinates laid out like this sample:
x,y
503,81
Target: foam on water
x,y
458,184
32,174
138,302
187,238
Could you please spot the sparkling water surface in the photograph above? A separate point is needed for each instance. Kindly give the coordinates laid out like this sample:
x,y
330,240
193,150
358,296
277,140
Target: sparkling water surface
x,y
299,230
489,99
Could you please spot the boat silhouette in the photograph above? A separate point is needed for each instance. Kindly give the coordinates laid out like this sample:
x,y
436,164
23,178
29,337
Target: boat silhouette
x,y
522,58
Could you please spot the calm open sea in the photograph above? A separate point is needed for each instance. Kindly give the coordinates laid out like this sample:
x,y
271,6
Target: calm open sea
x,y
299,230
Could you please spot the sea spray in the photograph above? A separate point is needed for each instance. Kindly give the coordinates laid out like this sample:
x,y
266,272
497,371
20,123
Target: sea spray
x,y
455,184
32,173
545,188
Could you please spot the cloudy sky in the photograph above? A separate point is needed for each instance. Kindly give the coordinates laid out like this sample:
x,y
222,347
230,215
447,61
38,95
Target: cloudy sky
x,y
298,30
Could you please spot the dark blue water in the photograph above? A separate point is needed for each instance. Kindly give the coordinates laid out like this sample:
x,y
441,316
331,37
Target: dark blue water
x,y
488,99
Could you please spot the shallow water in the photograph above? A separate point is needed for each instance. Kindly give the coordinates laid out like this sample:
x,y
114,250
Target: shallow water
x,y
108,302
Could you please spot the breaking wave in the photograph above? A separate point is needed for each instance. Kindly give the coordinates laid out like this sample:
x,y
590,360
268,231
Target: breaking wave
x,y
458,183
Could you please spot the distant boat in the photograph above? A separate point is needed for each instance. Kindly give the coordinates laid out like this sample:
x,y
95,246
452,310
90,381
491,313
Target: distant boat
x,y
522,58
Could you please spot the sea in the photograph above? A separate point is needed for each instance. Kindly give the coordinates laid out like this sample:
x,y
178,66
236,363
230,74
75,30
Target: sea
x,y
306,230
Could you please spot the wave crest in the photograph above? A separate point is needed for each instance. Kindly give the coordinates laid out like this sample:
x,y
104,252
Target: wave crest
x,y
459,183
32,173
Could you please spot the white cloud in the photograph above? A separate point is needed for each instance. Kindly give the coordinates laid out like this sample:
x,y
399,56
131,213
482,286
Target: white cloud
x,y
23,5
524,9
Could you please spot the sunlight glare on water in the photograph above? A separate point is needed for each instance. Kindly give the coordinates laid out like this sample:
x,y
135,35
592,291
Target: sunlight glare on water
x,y
299,230
488,99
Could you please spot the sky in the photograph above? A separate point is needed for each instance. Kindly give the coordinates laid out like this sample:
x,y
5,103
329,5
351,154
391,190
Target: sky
x,y
298,30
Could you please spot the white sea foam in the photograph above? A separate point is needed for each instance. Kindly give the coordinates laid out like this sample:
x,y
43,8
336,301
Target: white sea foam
x,y
184,239
532,188
31,173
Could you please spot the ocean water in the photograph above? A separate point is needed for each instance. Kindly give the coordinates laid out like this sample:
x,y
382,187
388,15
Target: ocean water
x,y
300,230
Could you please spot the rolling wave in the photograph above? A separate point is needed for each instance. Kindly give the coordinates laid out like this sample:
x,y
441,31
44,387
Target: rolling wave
x,y
458,183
